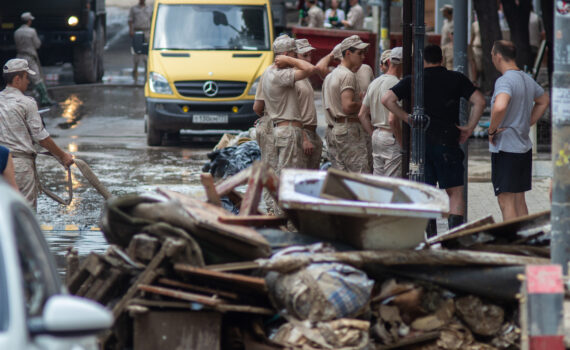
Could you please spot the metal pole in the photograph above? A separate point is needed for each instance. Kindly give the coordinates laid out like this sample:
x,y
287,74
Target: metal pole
x,y
407,11
385,25
419,119
460,28
560,214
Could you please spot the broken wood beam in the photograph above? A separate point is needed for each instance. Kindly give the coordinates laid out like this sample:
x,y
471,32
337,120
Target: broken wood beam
x,y
232,182
254,283
210,301
401,257
459,231
254,189
223,294
253,220
247,309
208,182
237,266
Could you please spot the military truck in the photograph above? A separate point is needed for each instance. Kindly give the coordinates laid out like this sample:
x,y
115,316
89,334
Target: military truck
x,y
70,31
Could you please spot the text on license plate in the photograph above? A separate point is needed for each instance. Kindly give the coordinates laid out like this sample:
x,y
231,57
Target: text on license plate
x,y
210,118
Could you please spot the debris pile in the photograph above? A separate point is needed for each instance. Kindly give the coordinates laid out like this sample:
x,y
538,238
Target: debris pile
x,y
184,272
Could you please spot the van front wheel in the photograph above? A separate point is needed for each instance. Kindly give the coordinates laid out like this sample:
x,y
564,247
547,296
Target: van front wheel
x,y
153,136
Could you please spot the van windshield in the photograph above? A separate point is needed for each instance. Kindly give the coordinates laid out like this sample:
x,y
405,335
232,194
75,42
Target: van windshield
x,y
211,27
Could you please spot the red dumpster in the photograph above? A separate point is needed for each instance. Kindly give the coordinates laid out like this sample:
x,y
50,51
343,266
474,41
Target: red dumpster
x,y
324,40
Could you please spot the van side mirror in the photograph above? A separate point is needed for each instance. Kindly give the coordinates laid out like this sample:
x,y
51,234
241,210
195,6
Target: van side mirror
x,y
139,46
220,18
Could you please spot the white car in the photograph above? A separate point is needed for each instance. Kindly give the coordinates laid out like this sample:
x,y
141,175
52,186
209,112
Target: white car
x,y
36,312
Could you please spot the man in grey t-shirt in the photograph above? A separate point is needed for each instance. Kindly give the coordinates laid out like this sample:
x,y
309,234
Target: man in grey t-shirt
x,y
512,114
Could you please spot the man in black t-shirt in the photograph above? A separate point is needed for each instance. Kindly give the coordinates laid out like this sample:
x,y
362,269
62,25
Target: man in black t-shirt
x,y
443,90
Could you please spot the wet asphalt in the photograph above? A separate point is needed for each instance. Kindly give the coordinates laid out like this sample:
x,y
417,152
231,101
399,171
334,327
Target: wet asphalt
x,y
103,125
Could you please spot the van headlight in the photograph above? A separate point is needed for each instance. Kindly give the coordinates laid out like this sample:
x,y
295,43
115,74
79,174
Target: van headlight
x,y
159,84
253,88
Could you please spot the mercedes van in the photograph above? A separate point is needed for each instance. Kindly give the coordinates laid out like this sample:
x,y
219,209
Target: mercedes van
x,y
205,58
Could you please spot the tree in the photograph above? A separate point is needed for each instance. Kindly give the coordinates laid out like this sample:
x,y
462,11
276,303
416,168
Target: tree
x,y
490,32
517,13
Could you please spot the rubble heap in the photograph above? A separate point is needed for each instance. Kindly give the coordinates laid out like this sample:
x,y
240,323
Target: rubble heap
x,y
183,272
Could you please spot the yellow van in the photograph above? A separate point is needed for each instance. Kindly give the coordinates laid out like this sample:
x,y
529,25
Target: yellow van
x,y
205,58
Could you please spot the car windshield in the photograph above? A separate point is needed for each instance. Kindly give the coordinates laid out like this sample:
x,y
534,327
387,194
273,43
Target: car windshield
x,y
211,27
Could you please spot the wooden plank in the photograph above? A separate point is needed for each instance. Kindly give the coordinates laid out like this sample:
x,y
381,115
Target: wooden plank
x,y
102,292
223,294
506,228
163,304
232,182
238,266
254,189
462,230
253,220
173,329
241,240
208,182
210,301
401,257
247,309
255,283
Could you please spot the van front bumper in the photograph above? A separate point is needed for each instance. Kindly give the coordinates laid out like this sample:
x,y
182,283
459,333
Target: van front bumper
x,y
169,115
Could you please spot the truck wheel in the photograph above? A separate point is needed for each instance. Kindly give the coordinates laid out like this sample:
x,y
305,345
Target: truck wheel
x,y
85,61
153,136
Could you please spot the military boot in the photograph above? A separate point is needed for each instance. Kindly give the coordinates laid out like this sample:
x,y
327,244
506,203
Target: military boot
x,y
44,97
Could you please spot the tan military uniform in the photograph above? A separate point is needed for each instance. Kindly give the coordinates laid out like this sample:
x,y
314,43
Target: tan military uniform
x,y
355,17
264,133
281,104
347,133
447,51
315,17
27,44
385,149
364,76
141,17
445,31
20,127
306,97
331,146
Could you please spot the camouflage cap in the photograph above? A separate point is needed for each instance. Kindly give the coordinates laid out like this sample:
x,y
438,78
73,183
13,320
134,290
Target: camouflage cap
x,y
385,56
353,41
337,54
284,44
17,65
27,16
303,46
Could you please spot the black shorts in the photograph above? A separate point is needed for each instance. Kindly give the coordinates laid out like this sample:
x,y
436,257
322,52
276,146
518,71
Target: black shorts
x,y
444,166
511,172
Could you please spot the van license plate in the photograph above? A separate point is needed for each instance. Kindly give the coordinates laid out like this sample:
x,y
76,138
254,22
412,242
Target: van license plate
x,y
210,118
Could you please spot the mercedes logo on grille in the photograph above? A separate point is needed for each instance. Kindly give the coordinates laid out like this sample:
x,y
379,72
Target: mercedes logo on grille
x,y
210,88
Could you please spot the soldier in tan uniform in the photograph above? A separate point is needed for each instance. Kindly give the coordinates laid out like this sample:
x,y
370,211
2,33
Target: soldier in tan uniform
x,y
383,126
315,15
139,20
323,67
27,44
21,127
447,13
281,103
355,17
341,100
312,143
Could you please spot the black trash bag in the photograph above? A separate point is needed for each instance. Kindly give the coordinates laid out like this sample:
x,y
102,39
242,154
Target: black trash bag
x,y
231,160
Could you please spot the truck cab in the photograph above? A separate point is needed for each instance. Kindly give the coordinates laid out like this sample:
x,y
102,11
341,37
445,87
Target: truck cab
x,y
205,59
